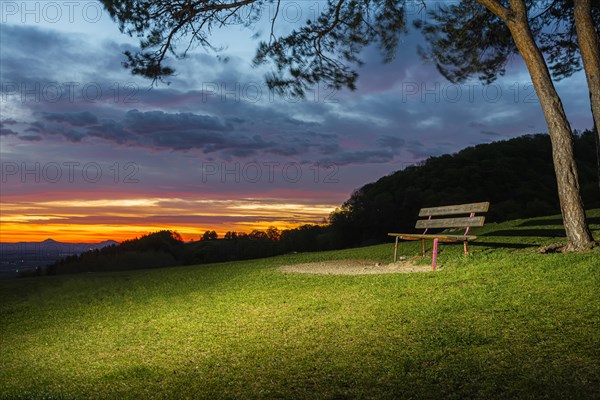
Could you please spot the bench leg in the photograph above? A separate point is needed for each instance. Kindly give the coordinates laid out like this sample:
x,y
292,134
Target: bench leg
x,y
423,247
435,251
396,249
466,247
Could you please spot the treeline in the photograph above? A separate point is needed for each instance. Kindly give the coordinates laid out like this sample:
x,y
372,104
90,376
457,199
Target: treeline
x,y
258,244
516,176
166,249
155,250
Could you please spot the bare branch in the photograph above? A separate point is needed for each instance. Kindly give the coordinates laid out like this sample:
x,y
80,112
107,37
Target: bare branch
x,y
498,9
272,37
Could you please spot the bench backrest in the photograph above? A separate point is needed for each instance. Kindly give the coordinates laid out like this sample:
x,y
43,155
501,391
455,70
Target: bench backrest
x,y
456,222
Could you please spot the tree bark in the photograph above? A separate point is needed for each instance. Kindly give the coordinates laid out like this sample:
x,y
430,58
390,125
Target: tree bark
x,y
578,234
597,137
589,46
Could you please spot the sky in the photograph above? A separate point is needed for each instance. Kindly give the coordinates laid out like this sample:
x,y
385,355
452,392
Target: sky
x,y
90,152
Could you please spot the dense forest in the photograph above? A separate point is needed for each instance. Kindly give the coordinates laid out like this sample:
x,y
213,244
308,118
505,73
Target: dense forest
x,y
515,175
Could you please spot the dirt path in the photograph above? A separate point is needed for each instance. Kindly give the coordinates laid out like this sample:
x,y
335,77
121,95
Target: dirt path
x,y
355,267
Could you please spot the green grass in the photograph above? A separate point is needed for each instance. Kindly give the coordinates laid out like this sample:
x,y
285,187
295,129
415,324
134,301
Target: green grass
x,y
505,322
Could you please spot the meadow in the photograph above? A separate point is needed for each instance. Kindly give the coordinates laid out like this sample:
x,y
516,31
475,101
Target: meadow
x,y
506,322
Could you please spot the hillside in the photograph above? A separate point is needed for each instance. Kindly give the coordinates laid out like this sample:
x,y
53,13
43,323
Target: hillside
x,y
516,176
506,322
22,257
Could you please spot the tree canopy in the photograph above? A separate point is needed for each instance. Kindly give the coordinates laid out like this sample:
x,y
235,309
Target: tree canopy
x,y
323,49
466,39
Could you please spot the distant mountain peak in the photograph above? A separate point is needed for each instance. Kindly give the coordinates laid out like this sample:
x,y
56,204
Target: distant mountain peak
x,y
109,242
49,241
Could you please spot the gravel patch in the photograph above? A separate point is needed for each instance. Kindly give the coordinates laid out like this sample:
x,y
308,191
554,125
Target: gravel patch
x,y
355,267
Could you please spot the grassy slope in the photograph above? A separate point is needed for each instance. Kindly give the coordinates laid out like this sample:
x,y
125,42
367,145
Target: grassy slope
x,y
505,322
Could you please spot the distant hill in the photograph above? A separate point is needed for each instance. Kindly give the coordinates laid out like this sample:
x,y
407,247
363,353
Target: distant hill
x,y
22,256
516,176
158,249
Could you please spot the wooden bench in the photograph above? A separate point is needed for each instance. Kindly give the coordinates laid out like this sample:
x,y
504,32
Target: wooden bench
x,y
455,222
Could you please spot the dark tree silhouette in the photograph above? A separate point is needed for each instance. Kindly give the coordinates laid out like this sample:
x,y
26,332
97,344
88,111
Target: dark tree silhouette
x,y
319,51
210,235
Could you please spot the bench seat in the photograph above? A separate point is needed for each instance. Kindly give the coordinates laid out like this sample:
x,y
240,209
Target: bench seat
x,y
442,238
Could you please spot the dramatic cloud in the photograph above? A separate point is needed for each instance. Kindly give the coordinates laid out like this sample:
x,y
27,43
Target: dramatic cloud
x,y
188,131
6,132
359,157
84,118
392,142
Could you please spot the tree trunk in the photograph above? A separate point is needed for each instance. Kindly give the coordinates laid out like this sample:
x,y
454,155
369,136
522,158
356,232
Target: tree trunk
x,y
578,235
589,46
597,137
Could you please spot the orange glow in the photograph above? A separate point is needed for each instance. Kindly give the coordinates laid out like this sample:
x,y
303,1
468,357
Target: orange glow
x,y
90,221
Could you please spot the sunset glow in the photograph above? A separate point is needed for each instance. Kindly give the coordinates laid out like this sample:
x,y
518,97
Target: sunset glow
x,y
88,221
